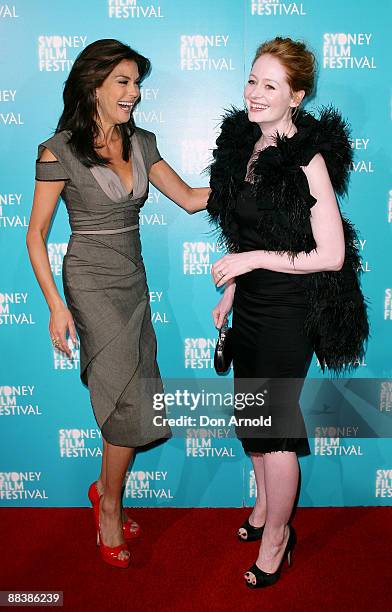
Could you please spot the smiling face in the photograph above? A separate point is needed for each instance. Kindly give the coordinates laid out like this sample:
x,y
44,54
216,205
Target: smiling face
x,y
267,94
118,94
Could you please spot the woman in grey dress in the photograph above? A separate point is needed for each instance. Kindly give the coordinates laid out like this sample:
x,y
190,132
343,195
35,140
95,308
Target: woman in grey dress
x,y
101,164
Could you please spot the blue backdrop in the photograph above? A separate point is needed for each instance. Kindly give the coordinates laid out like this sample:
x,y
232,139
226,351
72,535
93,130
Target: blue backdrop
x,y
200,52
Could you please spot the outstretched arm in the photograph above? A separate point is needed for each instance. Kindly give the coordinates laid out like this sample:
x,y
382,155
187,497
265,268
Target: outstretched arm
x,y
164,178
327,231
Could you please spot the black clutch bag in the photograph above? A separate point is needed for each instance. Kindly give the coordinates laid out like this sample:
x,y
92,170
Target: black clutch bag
x,y
223,355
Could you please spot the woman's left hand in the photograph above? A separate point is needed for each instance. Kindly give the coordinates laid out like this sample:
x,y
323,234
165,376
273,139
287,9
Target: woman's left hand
x,y
230,266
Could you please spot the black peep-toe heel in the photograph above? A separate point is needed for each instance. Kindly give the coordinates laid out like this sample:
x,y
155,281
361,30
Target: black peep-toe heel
x,y
265,579
253,533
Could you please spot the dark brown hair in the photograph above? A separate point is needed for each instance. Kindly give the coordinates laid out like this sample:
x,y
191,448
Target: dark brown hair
x,y
298,61
89,71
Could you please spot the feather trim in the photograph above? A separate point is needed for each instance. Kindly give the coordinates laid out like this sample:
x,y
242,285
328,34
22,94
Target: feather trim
x,y
337,321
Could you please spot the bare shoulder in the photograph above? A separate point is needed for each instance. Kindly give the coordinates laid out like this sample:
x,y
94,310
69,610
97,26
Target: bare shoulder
x,y
316,166
47,156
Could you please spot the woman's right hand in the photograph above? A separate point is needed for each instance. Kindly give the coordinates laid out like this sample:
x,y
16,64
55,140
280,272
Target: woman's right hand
x,y
60,322
224,306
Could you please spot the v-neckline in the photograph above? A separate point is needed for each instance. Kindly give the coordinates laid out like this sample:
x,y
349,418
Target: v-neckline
x,y
129,193
125,194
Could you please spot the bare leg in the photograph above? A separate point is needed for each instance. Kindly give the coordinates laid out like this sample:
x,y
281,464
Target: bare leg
x,y
101,482
102,477
281,473
257,517
117,462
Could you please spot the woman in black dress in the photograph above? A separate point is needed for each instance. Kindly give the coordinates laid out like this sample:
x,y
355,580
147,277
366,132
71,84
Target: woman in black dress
x,y
290,275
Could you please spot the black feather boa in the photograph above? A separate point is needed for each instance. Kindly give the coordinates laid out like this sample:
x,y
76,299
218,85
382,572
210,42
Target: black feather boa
x,y
337,319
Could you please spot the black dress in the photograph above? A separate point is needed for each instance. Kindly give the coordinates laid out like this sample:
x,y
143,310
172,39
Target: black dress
x,y
279,319
271,352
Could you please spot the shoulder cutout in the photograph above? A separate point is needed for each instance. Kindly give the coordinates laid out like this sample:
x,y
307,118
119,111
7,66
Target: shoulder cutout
x,y
47,156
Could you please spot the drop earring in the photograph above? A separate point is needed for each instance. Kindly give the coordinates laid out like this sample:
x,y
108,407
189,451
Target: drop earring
x,y
295,112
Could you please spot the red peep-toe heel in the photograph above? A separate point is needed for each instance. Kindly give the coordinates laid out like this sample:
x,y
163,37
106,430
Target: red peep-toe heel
x,y
131,529
109,554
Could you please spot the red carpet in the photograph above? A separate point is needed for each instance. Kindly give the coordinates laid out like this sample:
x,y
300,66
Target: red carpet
x,y
189,559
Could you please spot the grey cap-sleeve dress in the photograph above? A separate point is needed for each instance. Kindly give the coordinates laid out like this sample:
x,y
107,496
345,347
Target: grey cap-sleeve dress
x,y
106,290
